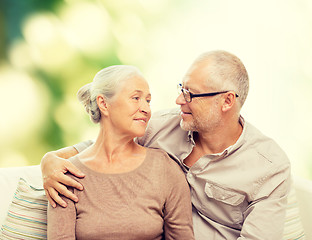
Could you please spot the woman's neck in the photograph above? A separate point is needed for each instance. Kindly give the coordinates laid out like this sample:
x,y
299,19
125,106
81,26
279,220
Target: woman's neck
x,y
113,152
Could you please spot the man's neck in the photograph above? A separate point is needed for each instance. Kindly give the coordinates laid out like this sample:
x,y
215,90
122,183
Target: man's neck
x,y
221,138
207,143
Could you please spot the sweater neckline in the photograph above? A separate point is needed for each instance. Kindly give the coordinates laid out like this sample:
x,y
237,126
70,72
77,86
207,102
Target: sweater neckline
x,y
86,169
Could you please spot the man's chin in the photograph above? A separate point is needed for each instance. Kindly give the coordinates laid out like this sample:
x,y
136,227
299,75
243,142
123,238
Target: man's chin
x,y
187,126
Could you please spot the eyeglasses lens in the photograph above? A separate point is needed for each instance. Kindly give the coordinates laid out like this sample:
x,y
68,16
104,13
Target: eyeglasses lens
x,y
186,93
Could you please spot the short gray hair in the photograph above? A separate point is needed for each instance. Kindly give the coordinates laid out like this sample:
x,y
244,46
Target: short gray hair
x,y
106,82
227,72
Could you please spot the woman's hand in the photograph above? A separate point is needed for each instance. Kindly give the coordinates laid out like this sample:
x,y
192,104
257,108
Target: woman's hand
x,y
54,166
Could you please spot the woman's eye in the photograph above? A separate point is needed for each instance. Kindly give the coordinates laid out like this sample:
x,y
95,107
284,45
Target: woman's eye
x,y
136,98
148,101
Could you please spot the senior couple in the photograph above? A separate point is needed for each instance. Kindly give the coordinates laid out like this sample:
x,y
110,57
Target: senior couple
x,y
198,172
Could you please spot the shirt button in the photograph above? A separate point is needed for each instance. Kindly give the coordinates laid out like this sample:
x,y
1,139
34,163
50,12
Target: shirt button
x,y
190,179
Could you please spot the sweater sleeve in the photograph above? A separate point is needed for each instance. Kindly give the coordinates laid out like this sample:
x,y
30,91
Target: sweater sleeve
x,y
83,145
62,221
178,222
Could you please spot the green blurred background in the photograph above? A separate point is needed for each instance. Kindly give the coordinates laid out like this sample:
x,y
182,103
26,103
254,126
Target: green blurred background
x,y
49,49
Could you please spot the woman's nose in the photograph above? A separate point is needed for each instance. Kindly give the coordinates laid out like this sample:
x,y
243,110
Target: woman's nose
x,y
145,107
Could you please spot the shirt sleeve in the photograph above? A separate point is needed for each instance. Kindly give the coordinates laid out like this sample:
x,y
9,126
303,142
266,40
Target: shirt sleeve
x,y
178,222
265,217
83,145
62,221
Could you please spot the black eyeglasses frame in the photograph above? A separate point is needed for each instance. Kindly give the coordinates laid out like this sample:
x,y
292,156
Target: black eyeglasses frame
x,y
193,95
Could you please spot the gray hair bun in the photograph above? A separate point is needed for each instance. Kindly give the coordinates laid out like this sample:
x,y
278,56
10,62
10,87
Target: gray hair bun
x,y
84,96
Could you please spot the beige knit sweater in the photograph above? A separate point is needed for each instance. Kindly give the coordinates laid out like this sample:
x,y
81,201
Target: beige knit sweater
x,y
150,202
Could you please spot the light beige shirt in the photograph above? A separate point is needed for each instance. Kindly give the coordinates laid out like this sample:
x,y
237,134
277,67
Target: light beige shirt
x,y
240,193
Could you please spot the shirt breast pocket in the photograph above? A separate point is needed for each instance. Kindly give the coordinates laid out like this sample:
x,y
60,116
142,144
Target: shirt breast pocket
x,y
229,203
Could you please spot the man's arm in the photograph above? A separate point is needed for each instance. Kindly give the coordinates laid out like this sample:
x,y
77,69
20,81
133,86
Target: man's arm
x,y
54,166
265,217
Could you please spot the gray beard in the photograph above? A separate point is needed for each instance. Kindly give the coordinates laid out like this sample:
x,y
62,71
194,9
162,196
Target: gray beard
x,y
205,125
188,126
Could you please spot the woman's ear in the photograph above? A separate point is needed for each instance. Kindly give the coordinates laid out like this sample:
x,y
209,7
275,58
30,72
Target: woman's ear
x,y
102,103
229,101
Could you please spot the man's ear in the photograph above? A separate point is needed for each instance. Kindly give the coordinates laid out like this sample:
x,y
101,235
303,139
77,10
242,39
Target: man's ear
x,y
102,103
229,101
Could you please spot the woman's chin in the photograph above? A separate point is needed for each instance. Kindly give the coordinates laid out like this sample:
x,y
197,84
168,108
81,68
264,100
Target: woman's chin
x,y
140,133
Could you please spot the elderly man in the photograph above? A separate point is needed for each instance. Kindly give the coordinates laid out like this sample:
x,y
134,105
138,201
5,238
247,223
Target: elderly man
x,y
239,178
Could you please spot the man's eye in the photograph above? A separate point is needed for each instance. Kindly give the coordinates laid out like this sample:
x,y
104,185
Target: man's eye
x,y
136,98
148,101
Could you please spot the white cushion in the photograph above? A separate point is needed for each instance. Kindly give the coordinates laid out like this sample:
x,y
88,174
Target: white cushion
x,y
9,178
293,229
304,195
27,214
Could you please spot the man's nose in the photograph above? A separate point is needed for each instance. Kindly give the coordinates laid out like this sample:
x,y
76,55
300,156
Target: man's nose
x,y
180,99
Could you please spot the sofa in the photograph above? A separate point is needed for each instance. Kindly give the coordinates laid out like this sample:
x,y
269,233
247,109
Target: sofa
x,y
299,212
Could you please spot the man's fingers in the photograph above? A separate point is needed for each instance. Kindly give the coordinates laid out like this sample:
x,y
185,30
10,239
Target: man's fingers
x,y
61,189
56,187
74,170
68,181
54,195
54,171
53,204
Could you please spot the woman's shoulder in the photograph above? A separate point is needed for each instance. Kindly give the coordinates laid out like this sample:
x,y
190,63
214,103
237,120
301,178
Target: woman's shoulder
x,y
163,158
160,154
167,171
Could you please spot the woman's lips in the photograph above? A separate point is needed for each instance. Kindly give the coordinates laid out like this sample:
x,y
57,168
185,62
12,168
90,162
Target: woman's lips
x,y
143,120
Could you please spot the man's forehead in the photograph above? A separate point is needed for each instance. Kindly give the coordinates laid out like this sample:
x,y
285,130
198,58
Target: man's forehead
x,y
194,86
195,78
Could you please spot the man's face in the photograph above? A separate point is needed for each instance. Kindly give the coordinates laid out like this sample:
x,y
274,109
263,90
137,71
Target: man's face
x,y
202,114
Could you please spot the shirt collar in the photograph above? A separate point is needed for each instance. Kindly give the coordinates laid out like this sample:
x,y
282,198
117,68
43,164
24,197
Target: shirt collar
x,y
190,136
240,141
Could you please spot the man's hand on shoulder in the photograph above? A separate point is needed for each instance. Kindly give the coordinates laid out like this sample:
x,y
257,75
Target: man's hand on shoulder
x,y
54,166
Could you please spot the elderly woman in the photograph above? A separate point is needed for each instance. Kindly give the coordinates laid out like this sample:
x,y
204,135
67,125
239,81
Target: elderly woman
x,y
130,192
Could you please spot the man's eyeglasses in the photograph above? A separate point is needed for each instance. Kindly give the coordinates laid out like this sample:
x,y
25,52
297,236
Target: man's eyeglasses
x,y
188,95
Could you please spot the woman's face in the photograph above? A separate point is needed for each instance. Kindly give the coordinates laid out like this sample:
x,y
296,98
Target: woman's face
x,y
129,110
